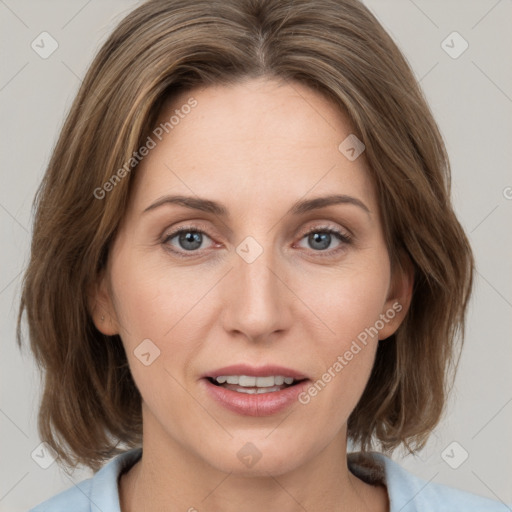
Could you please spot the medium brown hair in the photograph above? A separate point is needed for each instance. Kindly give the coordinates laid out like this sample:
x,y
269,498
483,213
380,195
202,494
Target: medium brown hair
x,y
90,404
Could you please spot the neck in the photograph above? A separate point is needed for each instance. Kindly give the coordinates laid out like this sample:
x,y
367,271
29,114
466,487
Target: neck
x,y
170,478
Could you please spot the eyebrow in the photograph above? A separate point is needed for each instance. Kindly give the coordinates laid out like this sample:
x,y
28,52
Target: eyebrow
x,y
300,207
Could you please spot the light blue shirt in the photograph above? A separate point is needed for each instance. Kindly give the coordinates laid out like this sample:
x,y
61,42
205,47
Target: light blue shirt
x,y
407,493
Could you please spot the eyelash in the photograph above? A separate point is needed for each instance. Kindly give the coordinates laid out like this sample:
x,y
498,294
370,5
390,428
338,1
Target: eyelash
x,y
343,237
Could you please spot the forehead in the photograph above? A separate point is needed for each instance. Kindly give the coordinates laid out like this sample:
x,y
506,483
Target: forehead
x,y
252,143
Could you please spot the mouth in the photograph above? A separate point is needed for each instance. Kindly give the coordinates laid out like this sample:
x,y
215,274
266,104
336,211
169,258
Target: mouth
x,y
252,385
251,391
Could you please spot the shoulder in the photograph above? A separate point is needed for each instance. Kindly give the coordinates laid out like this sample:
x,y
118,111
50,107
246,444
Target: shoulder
x,y
409,493
77,497
97,493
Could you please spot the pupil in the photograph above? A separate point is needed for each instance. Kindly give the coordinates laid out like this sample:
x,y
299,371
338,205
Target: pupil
x,y
324,239
190,240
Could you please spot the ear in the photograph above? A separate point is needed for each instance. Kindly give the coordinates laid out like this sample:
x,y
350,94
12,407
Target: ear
x,y
399,296
101,307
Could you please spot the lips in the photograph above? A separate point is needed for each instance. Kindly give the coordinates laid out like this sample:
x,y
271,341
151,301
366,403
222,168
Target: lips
x,y
254,391
262,371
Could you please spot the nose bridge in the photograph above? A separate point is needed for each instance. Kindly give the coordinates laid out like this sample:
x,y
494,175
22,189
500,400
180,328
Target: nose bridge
x,y
256,301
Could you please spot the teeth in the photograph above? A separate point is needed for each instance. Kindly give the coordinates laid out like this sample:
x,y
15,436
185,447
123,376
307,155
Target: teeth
x,y
256,391
247,381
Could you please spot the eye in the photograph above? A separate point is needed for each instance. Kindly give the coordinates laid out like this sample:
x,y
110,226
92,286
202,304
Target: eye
x,y
321,238
188,239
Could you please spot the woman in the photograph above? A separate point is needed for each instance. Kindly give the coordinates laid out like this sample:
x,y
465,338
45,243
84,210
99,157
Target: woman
x,y
257,261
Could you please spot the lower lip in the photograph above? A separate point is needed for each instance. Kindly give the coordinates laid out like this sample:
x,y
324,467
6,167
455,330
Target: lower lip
x,y
263,404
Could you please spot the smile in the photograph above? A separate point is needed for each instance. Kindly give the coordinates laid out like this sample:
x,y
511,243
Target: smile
x,y
254,385
267,391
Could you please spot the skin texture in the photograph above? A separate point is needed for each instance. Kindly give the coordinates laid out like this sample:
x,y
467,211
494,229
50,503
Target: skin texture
x,y
256,147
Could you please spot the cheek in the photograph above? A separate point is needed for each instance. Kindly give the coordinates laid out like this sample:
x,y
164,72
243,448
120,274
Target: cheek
x,y
350,301
153,306
349,306
156,304
152,298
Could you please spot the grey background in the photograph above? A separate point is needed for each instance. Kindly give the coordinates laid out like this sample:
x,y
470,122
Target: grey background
x,y
471,97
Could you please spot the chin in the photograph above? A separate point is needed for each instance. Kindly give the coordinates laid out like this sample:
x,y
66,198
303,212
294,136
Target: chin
x,y
260,455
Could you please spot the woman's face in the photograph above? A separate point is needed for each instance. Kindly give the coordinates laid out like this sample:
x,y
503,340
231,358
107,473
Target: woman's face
x,y
266,281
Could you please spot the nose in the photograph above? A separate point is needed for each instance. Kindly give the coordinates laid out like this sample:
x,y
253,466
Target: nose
x,y
257,302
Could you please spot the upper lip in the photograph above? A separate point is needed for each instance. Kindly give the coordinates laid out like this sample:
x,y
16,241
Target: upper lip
x,y
255,371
